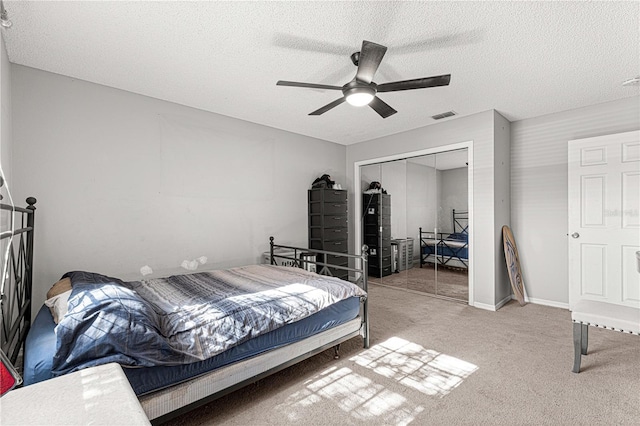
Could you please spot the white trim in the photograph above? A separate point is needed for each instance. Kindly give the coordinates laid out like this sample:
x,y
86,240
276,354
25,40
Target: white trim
x,y
470,221
503,302
551,303
357,189
495,307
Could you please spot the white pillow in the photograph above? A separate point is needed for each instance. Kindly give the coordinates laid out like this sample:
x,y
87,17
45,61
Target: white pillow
x,y
58,305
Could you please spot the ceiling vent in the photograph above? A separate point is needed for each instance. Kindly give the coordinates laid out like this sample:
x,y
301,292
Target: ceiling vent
x,y
443,115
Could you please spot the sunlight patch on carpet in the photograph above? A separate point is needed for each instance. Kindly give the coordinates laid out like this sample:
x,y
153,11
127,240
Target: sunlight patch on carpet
x,y
410,364
353,393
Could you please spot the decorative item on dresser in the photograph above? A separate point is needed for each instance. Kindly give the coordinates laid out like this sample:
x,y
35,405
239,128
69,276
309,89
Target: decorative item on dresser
x,y
328,221
377,233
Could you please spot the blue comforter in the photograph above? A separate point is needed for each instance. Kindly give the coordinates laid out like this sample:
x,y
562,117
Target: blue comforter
x,y
184,318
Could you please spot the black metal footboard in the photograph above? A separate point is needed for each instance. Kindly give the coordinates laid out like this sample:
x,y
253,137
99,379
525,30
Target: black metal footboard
x,y
319,262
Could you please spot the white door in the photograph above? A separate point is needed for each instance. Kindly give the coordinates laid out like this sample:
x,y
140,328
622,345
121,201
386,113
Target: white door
x,y
604,219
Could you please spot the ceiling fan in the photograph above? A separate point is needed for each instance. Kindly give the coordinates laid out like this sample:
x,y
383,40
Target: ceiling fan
x,y
362,90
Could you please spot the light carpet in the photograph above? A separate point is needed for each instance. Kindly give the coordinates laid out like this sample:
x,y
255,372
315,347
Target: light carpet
x,y
437,362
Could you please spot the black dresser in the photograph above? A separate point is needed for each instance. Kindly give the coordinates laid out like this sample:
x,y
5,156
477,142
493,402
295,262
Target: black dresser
x,y
377,232
328,226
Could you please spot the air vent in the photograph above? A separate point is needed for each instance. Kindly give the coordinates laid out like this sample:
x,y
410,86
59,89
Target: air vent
x,y
443,115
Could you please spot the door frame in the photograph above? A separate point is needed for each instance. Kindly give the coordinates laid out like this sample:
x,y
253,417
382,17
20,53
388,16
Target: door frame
x,y
357,189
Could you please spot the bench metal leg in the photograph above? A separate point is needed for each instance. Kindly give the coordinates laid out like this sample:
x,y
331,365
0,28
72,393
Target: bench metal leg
x,y
580,340
585,339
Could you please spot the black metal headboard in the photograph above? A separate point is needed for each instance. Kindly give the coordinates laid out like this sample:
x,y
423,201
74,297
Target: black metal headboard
x,y
16,241
460,221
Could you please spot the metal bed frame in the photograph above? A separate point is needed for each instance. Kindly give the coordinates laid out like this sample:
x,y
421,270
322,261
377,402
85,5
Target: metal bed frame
x,y
17,276
168,403
435,244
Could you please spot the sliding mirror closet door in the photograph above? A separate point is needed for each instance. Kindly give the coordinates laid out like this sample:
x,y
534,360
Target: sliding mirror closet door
x,y
421,221
415,221
394,183
452,218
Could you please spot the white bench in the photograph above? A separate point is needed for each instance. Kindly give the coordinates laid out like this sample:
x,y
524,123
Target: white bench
x,y
600,314
93,396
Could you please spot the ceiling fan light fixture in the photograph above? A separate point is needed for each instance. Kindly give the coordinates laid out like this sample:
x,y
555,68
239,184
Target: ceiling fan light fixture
x,y
359,95
359,99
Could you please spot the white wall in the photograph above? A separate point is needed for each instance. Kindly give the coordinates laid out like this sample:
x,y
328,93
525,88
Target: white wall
x,y
124,180
539,200
5,146
478,128
5,113
108,169
453,194
502,198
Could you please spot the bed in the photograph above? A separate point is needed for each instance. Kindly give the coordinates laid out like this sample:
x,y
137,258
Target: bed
x,y
444,248
187,366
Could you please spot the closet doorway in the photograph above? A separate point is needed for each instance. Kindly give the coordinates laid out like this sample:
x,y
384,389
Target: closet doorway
x,y
415,217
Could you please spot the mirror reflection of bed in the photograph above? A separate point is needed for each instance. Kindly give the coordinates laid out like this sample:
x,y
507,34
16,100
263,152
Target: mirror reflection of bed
x,y
429,223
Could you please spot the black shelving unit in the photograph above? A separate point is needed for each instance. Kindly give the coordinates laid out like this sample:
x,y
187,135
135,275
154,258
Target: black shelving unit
x,y
328,226
377,233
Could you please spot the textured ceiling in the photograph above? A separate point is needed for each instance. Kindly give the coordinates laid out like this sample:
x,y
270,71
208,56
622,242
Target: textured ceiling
x,y
524,59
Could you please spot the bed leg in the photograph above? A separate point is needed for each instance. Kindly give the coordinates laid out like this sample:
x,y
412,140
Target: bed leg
x,y
336,351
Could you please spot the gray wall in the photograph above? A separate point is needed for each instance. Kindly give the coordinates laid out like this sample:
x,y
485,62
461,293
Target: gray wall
x,y
539,191
478,128
124,180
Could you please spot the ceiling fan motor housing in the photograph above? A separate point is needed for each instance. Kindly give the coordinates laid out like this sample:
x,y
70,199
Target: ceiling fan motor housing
x,y
354,86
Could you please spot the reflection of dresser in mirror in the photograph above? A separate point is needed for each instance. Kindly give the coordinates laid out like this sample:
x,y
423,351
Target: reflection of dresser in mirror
x,y
377,232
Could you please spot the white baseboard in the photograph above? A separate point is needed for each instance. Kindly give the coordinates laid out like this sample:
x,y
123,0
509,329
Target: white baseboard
x,y
503,302
484,306
493,308
544,302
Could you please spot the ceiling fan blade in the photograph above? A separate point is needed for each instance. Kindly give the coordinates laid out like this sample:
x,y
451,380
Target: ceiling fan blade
x,y
381,107
328,106
307,85
308,44
418,83
370,57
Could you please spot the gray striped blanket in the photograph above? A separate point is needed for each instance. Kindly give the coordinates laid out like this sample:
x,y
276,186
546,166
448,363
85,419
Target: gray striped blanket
x,y
206,313
184,318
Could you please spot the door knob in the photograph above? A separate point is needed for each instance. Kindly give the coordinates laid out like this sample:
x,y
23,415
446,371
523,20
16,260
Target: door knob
x,y
575,235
